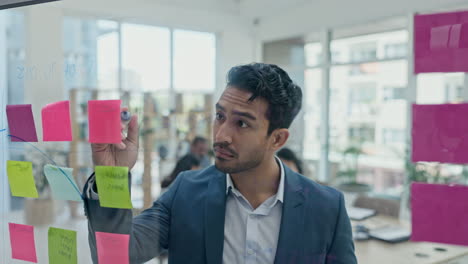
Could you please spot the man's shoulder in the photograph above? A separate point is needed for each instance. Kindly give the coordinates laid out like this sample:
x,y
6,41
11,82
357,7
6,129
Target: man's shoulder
x,y
317,191
201,176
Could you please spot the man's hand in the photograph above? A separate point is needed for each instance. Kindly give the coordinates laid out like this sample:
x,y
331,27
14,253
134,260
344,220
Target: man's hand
x,y
123,154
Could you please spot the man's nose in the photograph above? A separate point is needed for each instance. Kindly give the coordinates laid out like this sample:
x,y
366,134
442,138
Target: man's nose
x,y
223,133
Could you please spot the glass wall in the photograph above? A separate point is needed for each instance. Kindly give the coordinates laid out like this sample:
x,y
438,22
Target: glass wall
x,y
368,101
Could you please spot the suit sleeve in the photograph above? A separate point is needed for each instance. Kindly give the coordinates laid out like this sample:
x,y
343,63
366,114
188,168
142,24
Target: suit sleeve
x,y
149,231
342,248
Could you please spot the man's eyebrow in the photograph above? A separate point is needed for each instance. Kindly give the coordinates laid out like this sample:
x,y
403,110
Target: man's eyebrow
x,y
220,107
244,114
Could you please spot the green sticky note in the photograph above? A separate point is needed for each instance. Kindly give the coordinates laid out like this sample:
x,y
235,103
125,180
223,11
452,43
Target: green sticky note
x,y
62,246
21,179
112,185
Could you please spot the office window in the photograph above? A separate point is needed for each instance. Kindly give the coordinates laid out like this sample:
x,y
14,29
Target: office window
x,y
312,113
386,45
313,54
194,61
16,69
91,53
366,109
439,88
146,55
108,54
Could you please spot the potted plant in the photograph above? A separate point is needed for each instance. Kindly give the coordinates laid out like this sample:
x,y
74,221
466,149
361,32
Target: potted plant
x,y
347,175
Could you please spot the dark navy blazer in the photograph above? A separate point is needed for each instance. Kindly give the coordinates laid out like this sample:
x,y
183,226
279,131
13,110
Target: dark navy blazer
x,y
188,221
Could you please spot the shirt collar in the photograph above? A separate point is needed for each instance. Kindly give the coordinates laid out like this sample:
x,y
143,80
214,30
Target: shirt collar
x,y
279,193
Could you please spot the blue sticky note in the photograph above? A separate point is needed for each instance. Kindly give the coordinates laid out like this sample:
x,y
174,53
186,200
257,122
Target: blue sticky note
x,y
63,186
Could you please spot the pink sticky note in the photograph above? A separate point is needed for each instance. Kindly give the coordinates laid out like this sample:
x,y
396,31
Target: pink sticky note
x,y
56,124
22,242
21,123
441,42
439,213
104,121
112,248
440,133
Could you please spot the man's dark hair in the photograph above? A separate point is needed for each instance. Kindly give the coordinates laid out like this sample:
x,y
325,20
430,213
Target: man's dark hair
x,y
272,83
198,139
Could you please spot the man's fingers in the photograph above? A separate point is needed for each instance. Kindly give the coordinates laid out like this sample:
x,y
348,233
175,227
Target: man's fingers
x,y
120,146
133,130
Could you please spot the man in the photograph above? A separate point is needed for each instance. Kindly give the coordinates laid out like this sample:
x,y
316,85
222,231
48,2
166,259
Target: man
x,y
199,148
249,207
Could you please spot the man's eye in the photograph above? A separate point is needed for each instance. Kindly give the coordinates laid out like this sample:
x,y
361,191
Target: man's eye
x,y
242,124
218,116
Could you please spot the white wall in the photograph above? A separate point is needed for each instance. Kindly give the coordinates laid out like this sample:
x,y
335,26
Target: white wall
x,y
318,15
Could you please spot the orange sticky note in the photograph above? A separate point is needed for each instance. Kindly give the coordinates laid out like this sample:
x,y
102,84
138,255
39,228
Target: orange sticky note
x,y
22,242
112,248
104,121
56,124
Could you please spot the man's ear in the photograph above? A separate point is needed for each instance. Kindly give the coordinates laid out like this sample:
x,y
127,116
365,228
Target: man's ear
x,y
279,138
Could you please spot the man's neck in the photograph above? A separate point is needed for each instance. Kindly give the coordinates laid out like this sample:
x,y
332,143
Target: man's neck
x,y
260,183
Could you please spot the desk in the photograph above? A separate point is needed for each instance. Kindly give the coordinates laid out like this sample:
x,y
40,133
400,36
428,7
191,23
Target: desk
x,y
374,251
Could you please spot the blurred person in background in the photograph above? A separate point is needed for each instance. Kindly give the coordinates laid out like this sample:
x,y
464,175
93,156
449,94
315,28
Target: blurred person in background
x,y
288,157
187,162
199,148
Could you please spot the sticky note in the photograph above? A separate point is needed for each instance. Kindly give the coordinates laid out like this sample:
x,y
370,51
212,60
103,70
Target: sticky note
x,y
440,133
112,248
56,124
22,242
62,246
112,185
104,121
21,123
441,42
21,179
62,183
439,213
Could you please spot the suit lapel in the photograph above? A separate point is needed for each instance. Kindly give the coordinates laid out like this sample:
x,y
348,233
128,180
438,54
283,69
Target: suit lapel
x,y
215,208
292,222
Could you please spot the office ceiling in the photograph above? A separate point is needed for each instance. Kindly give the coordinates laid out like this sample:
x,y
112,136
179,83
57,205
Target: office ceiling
x,y
247,8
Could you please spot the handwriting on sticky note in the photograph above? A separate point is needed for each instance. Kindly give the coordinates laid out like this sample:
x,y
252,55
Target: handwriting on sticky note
x,y
21,123
56,124
62,246
20,177
112,248
22,242
104,121
62,183
112,184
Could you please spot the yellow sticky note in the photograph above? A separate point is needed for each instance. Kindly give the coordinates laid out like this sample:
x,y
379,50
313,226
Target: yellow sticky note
x,y
112,185
21,179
